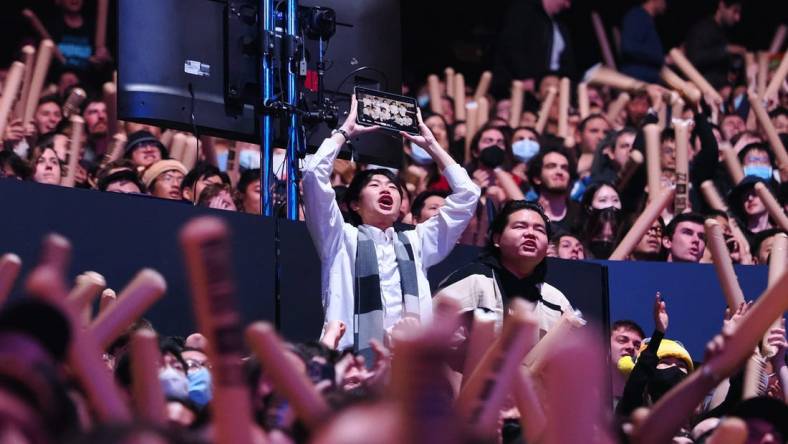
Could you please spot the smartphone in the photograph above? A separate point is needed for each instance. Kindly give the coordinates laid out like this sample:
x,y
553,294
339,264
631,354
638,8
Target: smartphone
x,y
388,111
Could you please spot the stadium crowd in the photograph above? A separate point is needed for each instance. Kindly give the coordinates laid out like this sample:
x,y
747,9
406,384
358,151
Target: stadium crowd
x,y
640,159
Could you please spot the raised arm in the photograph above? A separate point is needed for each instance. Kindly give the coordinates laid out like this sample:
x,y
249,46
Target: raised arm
x,y
777,339
440,233
646,365
704,166
323,217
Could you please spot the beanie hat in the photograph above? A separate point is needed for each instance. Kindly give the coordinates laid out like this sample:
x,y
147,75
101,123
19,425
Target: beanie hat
x,y
143,137
160,167
667,348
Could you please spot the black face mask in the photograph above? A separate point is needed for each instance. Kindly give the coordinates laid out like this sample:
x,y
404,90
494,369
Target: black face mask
x,y
601,249
492,156
664,380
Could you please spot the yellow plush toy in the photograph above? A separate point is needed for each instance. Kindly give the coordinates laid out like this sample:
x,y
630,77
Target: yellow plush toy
x,y
667,348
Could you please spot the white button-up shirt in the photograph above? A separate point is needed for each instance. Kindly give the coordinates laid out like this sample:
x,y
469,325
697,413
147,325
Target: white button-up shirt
x,y
388,271
336,242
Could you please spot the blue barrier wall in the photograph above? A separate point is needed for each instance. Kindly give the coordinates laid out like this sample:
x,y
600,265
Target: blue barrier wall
x,y
694,298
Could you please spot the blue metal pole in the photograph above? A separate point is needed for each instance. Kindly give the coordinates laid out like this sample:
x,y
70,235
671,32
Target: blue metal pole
x,y
292,100
266,125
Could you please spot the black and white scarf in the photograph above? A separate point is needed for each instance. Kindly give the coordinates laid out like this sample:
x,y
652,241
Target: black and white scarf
x,y
368,307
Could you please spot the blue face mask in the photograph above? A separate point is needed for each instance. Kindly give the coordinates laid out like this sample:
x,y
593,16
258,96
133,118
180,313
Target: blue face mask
x,y
423,100
174,383
419,155
762,171
249,159
200,386
524,150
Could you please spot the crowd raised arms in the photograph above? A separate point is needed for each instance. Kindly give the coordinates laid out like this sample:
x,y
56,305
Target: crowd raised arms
x,y
655,154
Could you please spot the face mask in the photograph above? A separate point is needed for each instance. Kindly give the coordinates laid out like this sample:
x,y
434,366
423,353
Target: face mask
x,y
423,100
250,159
762,171
601,249
664,380
419,155
174,383
492,156
524,150
200,386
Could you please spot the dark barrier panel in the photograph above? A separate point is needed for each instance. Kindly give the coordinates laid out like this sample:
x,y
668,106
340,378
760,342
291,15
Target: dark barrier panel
x,y
116,235
302,310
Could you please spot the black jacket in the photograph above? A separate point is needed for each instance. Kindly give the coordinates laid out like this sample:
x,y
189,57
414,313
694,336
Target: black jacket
x,y
707,49
525,46
644,371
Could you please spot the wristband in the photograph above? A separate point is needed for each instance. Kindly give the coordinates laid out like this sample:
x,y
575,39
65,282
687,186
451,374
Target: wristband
x,y
341,131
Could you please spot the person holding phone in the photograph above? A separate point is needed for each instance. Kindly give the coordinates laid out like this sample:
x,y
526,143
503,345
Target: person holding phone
x,y
374,276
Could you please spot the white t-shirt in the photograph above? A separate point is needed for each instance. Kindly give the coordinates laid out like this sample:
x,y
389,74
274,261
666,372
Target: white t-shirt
x,y
558,48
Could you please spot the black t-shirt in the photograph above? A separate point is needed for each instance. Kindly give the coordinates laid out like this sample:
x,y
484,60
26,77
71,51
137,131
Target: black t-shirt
x,y
707,49
76,44
573,210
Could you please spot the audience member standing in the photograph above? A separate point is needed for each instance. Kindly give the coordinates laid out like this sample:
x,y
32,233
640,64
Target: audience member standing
x,y
642,54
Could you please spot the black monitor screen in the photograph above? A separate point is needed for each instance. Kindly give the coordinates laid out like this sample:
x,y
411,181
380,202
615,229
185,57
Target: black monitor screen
x,y
171,62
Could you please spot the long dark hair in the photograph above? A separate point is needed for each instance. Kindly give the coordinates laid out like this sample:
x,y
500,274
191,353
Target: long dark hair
x,y
588,194
593,227
507,148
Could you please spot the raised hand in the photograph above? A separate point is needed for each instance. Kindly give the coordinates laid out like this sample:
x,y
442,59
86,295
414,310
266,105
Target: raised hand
x,y
732,317
425,139
378,375
350,126
660,314
334,331
402,329
15,131
776,338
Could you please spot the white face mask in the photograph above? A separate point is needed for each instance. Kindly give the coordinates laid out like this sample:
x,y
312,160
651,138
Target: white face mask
x,y
524,150
174,383
250,159
419,155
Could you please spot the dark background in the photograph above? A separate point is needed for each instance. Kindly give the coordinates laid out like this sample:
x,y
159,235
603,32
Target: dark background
x,y
462,34
439,33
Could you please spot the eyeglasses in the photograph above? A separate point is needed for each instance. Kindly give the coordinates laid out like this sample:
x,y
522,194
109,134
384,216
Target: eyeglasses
x,y
194,365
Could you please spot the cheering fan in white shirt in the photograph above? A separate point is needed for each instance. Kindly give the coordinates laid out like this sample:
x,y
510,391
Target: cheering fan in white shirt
x,y
372,275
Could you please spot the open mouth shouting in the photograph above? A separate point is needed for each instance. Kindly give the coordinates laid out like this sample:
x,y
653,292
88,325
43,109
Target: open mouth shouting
x,y
386,202
529,245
